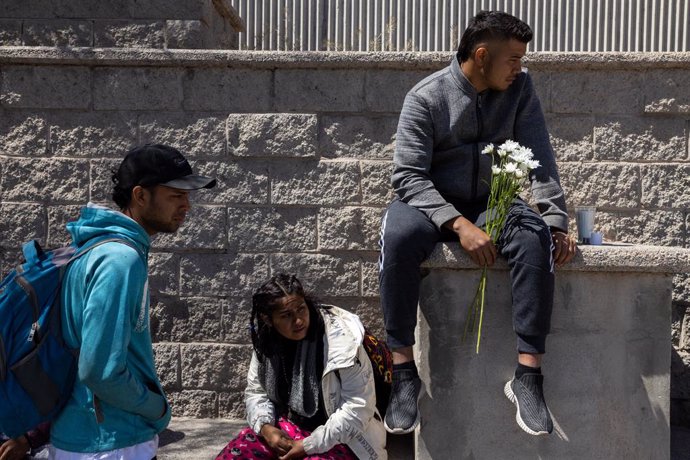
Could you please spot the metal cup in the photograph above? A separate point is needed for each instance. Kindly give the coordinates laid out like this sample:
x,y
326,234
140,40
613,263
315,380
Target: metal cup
x,y
584,216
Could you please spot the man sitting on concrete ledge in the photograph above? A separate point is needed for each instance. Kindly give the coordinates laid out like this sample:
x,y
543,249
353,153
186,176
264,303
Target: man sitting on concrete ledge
x,y
441,181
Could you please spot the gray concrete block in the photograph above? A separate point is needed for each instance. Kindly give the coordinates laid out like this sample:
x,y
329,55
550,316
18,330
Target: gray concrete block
x,y
319,90
57,32
368,310
323,274
185,34
47,87
666,91
233,90
231,406
571,136
92,134
204,228
101,187
164,273
664,228
622,350
542,84
244,182
271,229
349,228
222,274
681,289
605,185
235,322
58,217
44,180
10,258
196,135
22,222
137,88
187,319
272,135
370,275
315,183
193,403
640,139
167,358
10,32
24,134
610,92
215,367
128,33
385,90
359,137
376,183
666,186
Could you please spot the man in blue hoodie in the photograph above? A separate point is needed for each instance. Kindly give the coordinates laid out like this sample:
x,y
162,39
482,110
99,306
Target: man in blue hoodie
x,y
118,407
441,182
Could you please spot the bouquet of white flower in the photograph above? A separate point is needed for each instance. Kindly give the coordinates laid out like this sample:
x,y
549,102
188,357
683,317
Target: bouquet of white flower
x,y
510,167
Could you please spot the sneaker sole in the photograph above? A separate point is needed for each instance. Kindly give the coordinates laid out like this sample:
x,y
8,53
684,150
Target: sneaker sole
x,y
414,425
511,396
402,430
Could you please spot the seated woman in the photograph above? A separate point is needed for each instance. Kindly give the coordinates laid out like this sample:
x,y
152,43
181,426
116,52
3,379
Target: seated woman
x,y
310,387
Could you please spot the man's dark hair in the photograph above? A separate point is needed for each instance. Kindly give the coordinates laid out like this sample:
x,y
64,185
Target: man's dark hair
x,y
492,25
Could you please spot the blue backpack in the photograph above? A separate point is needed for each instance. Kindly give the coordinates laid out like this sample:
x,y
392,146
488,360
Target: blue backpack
x,y
37,369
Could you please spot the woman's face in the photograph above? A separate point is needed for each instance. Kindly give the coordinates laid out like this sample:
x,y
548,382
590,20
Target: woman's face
x,y
291,317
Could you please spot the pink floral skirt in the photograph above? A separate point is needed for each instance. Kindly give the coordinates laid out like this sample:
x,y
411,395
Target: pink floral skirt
x,y
248,446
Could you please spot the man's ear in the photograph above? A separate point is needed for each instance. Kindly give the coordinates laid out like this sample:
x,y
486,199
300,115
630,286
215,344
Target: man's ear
x,y
481,56
139,195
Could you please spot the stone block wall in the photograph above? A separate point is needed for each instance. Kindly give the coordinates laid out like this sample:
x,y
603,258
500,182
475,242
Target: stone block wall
x,y
188,24
301,145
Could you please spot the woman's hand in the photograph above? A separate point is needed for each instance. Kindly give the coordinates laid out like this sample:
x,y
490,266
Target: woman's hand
x,y
14,449
278,440
296,451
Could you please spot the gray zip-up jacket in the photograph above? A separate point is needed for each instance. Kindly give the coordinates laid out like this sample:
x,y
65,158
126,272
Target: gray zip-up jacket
x,y
443,127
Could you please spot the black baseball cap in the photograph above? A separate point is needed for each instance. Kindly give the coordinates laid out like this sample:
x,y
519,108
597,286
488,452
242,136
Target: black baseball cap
x,y
158,164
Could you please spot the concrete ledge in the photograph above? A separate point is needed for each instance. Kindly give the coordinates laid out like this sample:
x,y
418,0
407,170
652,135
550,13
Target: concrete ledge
x,y
614,257
607,365
323,59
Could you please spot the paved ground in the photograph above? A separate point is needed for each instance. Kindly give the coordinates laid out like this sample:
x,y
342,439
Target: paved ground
x,y
202,439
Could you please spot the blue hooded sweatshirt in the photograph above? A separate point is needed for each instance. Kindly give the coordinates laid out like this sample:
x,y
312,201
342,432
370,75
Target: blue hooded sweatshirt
x,y
117,399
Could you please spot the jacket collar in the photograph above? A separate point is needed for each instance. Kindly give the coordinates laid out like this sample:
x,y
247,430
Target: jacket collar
x,y
344,334
460,79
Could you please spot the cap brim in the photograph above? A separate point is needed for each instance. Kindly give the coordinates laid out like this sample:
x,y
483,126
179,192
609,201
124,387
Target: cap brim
x,y
191,182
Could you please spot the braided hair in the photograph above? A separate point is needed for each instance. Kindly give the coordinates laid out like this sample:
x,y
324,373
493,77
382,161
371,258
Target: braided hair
x,y
265,300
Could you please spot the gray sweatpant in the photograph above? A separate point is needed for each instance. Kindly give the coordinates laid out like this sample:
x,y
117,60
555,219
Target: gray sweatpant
x,y
408,237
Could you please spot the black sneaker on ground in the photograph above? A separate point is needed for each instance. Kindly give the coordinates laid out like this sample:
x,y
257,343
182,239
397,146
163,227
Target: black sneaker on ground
x,y
527,394
402,416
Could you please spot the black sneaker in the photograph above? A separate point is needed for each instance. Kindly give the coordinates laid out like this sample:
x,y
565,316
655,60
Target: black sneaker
x,y
402,416
527,394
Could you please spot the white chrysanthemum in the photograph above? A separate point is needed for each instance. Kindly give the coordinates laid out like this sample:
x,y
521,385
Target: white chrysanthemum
x,y
495,170
511,168
502,153
489,149
532,164
520,173
522,155
509,146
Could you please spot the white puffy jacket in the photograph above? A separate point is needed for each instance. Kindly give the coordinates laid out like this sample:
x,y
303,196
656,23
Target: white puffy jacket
x,y
349,394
